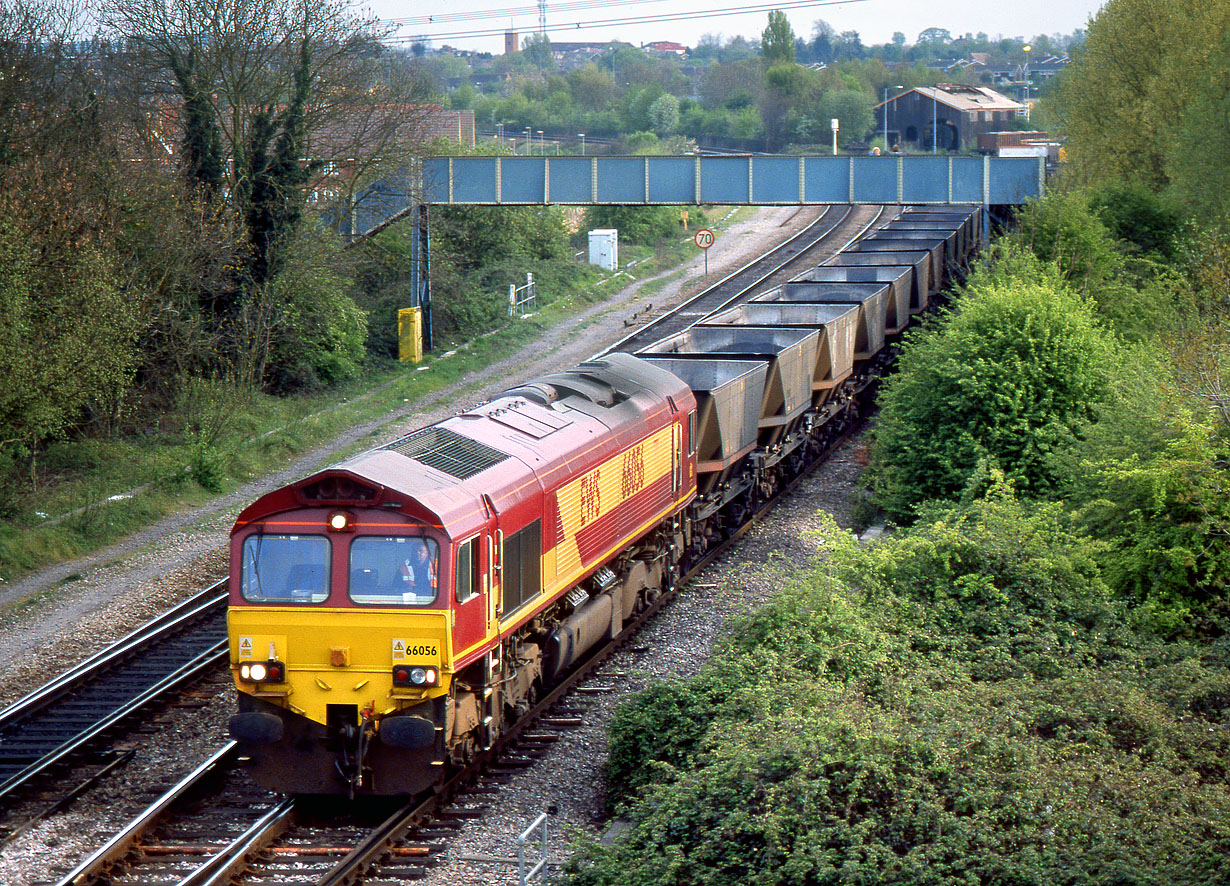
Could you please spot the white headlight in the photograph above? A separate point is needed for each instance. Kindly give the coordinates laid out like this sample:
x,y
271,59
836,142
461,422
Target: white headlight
x,y
418,676
257,672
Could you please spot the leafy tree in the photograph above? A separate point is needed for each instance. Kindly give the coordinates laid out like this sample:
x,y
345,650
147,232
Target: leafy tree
x,y
68,336
777,40
822,34
1199,163
537,50
789,88
1004,381
853,110
935,35
664,114
849,45
1062,229
636,224
1138,219
1143,64
268,85
591,87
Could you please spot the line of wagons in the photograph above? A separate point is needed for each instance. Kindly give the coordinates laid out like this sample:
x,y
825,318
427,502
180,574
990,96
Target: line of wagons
x,y
779,377
391,615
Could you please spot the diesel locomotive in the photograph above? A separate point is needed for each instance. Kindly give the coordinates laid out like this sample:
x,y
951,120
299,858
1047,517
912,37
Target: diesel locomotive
x,y
390,615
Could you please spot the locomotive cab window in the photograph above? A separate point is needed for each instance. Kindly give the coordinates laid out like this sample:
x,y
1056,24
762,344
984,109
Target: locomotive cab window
x,y
692,432
394,569
285,569
467,578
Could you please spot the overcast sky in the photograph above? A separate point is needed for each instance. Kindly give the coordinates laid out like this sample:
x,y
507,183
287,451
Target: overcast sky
x,y
875,20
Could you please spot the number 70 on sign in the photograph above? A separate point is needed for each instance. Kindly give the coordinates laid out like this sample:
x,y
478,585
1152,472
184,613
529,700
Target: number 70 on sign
x,y
704,239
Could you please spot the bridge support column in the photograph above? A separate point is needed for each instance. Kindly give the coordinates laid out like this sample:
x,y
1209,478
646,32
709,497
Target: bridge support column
x,y
420,270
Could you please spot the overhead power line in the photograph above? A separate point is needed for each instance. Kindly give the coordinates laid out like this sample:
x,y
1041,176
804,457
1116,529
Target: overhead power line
x,y
508,11
635,20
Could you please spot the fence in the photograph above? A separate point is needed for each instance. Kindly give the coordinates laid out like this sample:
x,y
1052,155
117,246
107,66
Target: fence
x,y
523,300
540,864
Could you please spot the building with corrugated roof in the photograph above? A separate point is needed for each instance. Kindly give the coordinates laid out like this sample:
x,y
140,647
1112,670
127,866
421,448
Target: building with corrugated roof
x,y
952,116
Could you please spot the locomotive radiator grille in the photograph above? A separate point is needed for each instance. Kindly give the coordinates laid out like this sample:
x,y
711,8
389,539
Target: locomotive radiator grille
x,y
448,451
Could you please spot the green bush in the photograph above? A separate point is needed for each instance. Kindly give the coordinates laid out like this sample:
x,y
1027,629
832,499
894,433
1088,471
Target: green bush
x,y
957,704
640,224
1062,229
1005,380
1138,219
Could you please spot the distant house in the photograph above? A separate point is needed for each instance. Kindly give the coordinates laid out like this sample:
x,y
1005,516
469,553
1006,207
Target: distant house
x,y
953,116
665,49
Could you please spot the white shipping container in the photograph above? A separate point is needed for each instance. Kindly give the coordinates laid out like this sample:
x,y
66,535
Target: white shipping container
x,y
1023,151
604,248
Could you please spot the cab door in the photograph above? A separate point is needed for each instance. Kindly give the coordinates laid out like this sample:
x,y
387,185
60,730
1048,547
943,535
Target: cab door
x,y
471,592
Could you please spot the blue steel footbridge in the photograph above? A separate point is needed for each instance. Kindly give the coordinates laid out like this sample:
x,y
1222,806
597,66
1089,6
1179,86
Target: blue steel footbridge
x,y
760,180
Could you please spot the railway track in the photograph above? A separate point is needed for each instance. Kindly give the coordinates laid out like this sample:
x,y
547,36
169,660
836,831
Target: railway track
x,y
73,715
215,828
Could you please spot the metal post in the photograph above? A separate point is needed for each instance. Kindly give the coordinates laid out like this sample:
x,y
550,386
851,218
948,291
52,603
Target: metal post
x,y
935,123
424,283
886,119
582,136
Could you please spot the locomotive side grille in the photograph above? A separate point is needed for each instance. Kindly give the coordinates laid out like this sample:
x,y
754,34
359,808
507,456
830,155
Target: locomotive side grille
x,y
448,451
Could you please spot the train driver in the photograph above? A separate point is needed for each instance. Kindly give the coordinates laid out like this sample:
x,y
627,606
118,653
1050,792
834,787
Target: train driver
x,y
393,570
418,575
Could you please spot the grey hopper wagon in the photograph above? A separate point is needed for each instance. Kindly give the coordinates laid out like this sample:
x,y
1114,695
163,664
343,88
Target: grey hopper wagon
x,y
728,396
899,279
873,301
789,353
960,233
837,325
967,220
941,244
920,261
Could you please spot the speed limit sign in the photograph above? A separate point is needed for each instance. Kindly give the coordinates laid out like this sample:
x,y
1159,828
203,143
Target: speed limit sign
x,y
703,238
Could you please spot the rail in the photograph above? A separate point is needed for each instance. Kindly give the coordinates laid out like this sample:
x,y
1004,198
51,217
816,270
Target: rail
x,y
104,682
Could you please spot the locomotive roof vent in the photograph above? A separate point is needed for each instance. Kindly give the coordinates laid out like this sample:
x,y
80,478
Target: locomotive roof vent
x,y
448,451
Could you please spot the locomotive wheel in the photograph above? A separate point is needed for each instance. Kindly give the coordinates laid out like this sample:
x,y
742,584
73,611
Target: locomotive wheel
x,y
462,753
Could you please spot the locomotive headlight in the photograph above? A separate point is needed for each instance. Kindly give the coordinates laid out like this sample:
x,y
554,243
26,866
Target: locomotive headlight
x,y
339,521
262,671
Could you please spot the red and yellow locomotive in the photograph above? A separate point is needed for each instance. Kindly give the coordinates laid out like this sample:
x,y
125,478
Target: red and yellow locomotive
x,y
389,614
